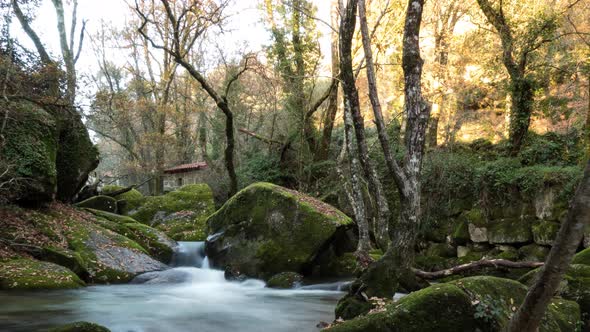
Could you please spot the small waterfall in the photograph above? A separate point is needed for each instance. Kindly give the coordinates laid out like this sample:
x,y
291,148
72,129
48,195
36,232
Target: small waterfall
x,y
205,264
190,254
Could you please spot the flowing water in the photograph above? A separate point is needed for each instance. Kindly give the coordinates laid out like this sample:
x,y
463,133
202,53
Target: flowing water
x,y
204,301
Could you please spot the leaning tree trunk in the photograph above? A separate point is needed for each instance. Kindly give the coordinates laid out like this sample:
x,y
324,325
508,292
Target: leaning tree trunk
x,y
529,315
355,194
351,102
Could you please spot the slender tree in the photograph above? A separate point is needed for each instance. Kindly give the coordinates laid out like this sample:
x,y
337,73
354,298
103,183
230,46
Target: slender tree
x,y
352,105
383,277
517,50
529,315
187,21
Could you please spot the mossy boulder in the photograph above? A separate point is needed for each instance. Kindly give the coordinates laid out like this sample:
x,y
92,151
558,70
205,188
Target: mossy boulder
x,y
110,257
157,243
266,229
181,214
31,143
79,327
443,308
469,304
575,286
32,274
583,257
102,203
76,156
510,231
284,280
154,241
544,232
65,257
133,198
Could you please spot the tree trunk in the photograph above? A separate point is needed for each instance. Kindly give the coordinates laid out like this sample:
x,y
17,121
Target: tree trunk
x,y
529,315
521,93
355,194
393,270
332,109
351,102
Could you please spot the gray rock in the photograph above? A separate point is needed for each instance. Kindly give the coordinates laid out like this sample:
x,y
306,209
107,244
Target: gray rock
x,y
172,276
478,234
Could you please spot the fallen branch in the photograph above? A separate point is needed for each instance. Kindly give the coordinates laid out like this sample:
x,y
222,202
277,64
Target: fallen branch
x,y
126,189
495,263
262,138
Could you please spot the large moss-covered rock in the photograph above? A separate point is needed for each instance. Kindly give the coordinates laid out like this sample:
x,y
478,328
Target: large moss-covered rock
x,y
102,203
468,304
266,229
65,257
31,143
110,257
76,155
133,198
79,327
33,274
94,247
156,242
575,286
181,214
442,308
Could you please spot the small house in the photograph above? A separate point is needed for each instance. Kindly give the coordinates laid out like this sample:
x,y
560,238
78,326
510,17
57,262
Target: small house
x,y
184,174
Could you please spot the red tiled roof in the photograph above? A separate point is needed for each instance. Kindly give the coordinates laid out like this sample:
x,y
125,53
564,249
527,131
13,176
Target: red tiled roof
x,y
186,168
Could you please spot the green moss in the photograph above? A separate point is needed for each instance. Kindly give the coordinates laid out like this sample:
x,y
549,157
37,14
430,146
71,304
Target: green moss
x,y
475,216
182,213
443,308
76,155
31,146
460,234
119,219
545,232
133,198
575,286
341,266
272,229
79,327
583,257
510,231
350,306
533,253
284,280
78,236
32,274
155,242
67,258
497,299
103,203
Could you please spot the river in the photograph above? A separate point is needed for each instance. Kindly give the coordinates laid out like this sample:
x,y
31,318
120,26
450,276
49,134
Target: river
x,y
203,301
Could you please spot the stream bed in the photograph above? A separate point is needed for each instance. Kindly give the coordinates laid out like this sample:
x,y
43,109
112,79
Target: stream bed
x,y
203,301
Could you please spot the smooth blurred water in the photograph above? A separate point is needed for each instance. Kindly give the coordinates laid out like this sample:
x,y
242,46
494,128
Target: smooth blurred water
x,y
205,302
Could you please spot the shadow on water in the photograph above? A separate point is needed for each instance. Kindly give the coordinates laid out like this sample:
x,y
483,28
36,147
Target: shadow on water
x,y
202,300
